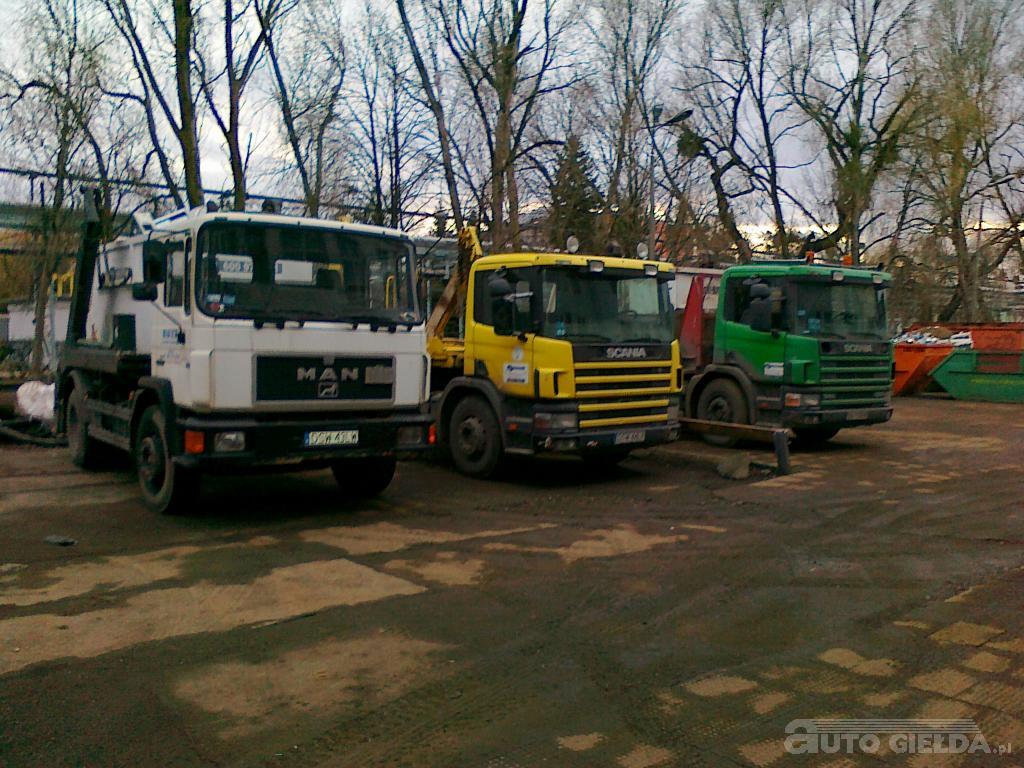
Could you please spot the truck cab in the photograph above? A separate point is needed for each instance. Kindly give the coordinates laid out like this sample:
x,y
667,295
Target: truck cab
x,y
215,341
561,353
800,345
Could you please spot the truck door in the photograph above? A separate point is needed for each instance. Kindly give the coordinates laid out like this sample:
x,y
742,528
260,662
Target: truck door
x,y
506,359
169,340
755,328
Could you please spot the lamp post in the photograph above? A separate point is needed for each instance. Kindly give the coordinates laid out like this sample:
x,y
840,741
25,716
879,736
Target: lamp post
x,y
679,117
656,111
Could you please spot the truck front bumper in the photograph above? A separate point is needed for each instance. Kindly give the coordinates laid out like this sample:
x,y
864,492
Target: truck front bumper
x,y
835,417
618,438
287,442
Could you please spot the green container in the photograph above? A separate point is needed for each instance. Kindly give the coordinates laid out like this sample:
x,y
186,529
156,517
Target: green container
x,y
970,374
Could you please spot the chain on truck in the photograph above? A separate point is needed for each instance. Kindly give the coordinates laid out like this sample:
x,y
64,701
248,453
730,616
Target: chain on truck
x,y
214,342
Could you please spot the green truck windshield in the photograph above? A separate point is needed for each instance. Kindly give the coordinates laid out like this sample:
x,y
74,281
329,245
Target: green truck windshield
x,y
614,306
291,273
840,310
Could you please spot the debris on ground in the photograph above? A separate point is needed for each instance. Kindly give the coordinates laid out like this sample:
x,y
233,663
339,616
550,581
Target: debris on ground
x,y
60,541
35,400
735,467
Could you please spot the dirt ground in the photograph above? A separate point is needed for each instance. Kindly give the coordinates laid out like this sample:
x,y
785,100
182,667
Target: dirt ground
x,y
659,615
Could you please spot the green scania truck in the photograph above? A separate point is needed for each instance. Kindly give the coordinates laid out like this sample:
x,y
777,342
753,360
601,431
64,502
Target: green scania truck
x,y
796,344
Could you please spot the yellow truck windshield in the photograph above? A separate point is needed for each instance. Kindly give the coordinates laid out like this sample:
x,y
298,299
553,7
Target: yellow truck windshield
x,y
612,306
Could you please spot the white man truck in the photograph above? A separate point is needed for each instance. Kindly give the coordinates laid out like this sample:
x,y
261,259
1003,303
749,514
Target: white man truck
x,y
212,342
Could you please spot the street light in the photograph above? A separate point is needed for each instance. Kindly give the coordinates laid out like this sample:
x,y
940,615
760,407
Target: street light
x,y
679,117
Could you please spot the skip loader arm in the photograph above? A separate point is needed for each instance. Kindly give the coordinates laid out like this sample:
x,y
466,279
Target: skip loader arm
x,y
448,352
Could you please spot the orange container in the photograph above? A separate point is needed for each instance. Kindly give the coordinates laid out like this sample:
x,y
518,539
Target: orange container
x,y
987,337
914,364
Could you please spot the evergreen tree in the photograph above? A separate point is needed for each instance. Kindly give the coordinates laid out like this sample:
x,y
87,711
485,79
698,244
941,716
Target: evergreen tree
x,y
575,201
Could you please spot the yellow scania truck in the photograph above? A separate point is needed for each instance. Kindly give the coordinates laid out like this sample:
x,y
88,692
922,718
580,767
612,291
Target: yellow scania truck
x,y
553,353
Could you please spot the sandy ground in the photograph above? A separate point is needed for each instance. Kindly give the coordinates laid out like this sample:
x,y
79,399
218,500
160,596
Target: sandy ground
x,y
656,616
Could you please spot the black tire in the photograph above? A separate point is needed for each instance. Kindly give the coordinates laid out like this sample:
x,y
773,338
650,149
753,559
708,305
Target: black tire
x,y
166,487
605,460
722,400
86,452
474,438
814,437
364,477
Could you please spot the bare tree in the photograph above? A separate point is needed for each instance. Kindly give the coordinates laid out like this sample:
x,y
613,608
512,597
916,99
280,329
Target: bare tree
x,y
393,141
308,74
242,46
850,72
153,95
970,162
430,93
49,116
507,64
629,38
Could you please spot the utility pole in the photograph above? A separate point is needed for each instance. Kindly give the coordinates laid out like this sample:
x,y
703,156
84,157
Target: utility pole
x,y
656,111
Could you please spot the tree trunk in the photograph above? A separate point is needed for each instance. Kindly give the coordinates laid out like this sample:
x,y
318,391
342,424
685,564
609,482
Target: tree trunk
x,y
438,111
187,132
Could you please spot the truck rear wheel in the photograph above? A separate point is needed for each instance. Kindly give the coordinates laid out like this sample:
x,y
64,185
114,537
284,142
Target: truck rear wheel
x,y
166,488
474,438
722,400
364,477
86,451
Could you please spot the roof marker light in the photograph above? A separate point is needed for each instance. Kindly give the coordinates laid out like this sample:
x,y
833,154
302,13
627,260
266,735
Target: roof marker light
x,y
595,265
651,270
838,276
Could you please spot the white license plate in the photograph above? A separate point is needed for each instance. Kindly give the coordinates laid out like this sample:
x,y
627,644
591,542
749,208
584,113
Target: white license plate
x,y
857,415
633,436
332,437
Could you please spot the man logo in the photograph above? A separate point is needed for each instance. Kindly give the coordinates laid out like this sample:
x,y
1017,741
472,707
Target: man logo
x,y
626,353
305,374
327,390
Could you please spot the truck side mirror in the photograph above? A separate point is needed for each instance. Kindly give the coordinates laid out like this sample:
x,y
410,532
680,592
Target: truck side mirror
x,y
503,308
144,291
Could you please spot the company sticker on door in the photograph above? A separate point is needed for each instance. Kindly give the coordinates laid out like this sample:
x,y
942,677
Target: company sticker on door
x,y
775,369
516,373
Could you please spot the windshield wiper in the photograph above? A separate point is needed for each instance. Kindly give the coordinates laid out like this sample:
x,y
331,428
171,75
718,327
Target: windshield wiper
x,y
588,337
643,340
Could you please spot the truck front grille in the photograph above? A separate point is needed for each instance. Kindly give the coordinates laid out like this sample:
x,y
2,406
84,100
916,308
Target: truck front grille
x,y
623,394
855,380
324,379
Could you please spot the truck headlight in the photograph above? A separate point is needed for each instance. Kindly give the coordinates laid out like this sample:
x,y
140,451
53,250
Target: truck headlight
x,y
547,422
229,442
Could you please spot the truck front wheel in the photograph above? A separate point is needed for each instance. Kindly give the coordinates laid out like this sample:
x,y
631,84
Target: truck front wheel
x,y
722,400
365,477
166,488
474,439
86,451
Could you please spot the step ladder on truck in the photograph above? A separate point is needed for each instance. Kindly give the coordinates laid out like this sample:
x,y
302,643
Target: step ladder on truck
x,y
537,354
214,342
797,345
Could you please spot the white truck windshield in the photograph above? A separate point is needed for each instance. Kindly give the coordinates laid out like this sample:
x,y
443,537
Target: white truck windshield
x,y
275,272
